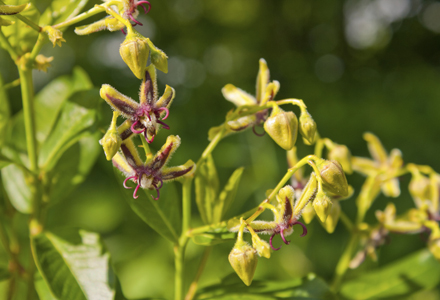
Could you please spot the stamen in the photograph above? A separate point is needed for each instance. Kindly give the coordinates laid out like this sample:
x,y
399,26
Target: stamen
x,y
256,133
165,126
270,243
282,236
133,128
146,138
141,3
123,31
303,226
167,112
125,182
135,191
134,20
158,193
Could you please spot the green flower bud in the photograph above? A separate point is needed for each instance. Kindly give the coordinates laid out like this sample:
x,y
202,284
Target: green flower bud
x,y
55,35
322,205
262,247
332,218
243,259
158,58
111,142
282,127
333,177
9,10
307,128
4,22
134,51
308,213
342,154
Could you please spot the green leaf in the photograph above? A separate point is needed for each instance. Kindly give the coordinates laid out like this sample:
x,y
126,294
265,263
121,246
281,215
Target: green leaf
x,y
231,287
74,268
413,273
59,11
4,274
74,120
227,195
162,215
5,112
206,187
4,161
16,185
49,101
42,288
21,36
73,167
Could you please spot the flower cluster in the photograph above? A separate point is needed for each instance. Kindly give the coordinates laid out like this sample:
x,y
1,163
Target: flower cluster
x,y
145,117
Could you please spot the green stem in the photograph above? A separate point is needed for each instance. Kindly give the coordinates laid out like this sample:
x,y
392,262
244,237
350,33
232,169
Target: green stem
x,y
42,39
179,249
193,287
214,142
27,91
346,221
93,11
344,262
4,41
179,253
186,205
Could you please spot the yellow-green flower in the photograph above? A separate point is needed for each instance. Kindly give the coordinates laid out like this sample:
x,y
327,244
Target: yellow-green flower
x,y
385,168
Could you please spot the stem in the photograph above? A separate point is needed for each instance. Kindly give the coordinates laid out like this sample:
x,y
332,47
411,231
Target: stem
x,y
211,146
91,12
8,46
193,287
179,253
27,91
344,262
346,221
179,248
186,206
42,39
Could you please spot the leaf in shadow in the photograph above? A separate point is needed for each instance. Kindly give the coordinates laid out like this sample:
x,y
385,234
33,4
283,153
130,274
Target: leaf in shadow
x,y
406,276
162,215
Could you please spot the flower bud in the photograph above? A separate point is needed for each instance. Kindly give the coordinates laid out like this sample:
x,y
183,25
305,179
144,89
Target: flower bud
x,y
243,259
307,128
262,247
342,154
42,63
308,213
282,127
111,142
333,177
4,22
332,218
134,51
322,205
158,58
9,10
55,35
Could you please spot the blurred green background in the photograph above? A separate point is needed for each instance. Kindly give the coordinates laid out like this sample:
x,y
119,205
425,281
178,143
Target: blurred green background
x,y
359,65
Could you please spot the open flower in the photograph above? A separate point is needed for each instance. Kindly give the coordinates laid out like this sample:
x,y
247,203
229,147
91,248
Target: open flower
x,y
285,216
127,9
153,173
384,168
266,91
146,116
